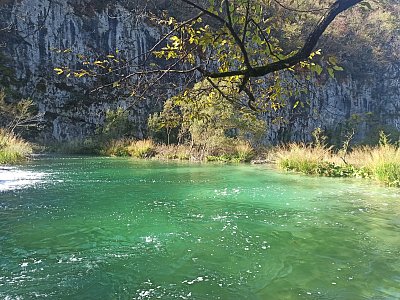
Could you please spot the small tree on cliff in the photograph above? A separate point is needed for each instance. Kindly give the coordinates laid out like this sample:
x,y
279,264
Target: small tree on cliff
x,y
18,115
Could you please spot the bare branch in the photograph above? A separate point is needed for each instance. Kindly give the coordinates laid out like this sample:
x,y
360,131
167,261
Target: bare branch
x,y
169,70
247,21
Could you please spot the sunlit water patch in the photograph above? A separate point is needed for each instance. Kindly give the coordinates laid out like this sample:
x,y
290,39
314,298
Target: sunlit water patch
x,y
100,228
12,178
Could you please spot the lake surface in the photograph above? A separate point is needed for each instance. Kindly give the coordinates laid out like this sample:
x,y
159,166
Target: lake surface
x,y
110,228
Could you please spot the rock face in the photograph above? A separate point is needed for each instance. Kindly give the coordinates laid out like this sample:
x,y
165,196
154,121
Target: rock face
x,y
42,34
367,104
34,32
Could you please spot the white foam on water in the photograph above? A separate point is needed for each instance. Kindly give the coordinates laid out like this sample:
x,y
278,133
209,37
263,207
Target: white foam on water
x,y
11,179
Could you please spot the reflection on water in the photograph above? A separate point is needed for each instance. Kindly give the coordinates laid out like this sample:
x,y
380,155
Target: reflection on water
x,y
97,228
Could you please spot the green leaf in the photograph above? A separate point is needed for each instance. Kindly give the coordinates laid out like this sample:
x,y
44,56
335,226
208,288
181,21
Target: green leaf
x,y
337,68
331,72
332,60
366,4
317,68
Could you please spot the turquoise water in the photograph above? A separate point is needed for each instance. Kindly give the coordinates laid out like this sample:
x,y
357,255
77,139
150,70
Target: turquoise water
x,y
108,228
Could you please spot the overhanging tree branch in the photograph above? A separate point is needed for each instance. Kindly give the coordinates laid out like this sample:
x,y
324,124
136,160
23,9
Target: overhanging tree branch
x,y
237,42
310,43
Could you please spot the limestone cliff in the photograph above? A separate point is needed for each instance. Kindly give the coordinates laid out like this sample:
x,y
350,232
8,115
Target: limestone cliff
x,y
367,104
36,30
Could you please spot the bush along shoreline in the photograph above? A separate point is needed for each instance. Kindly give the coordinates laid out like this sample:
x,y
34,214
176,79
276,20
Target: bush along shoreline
x,y
238,151
13,149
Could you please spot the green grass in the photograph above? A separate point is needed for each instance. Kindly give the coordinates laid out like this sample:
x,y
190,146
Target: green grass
x,y
12,148
388,173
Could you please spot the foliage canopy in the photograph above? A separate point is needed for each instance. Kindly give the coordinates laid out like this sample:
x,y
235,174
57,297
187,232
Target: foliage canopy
x,y
246,42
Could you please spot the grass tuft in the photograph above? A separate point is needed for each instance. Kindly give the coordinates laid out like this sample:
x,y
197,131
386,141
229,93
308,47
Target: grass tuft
x,y
141,149
116,147
244,152
12,148
304,158
381,163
